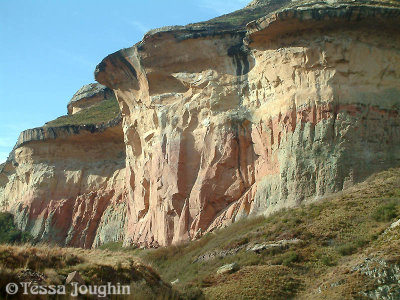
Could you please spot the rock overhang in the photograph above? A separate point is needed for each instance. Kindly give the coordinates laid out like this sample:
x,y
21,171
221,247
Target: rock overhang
x,y
302,18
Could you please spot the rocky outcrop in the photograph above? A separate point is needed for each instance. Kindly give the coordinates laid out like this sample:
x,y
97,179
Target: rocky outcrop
x,y
88,96
65,184
386,275
219,122
304,104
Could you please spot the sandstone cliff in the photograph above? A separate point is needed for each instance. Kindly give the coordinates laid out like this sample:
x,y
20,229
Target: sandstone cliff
x,y
64,184
219,122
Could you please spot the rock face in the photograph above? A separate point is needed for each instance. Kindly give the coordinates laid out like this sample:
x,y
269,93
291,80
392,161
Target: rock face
x,y
65,184
304,103
89,95
219,123
387,275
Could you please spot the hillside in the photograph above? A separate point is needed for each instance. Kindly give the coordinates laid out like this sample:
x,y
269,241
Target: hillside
x,y
345,248
48,265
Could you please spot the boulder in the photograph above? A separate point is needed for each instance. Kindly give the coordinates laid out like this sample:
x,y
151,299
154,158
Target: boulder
x,y
175,281
74,277
268,245
227,269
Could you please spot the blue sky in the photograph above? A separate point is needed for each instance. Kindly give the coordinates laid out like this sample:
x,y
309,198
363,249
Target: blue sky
x,y
49,49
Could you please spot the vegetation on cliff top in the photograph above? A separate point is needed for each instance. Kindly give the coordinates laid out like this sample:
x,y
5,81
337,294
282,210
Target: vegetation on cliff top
x,y
261,8
99,113
243,16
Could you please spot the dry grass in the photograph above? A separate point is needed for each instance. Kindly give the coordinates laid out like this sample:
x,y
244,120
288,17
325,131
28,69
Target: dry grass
x,y
255,282
95,267
336,233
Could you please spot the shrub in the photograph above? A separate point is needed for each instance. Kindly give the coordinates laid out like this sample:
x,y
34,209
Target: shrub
x,y
190,292
290,257
9,232
347,249
325,258
237,243
328,260
351,247
385,212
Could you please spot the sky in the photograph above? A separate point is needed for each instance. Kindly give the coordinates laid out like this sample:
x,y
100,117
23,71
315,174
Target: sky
x,y
50,48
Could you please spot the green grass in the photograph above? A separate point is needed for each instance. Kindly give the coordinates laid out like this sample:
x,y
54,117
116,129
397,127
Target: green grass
x,y
99,113
112,246
386,211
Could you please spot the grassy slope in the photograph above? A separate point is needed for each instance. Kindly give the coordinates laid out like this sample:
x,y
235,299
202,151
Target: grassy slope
x,y
102,112
337,233
95,266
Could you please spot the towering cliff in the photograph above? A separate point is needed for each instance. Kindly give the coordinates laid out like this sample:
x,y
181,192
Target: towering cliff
x,y
222,121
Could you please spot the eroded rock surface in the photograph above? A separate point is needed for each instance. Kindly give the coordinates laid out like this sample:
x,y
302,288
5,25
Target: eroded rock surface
x,y
257,122
220,122
386,276
65,184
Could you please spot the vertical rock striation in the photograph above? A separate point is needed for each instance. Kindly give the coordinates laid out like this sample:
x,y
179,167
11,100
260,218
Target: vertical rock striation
x,y
222,124
219,122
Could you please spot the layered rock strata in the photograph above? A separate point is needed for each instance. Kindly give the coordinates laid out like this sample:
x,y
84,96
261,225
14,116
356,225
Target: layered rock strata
x,y
219,122
220,125
65,184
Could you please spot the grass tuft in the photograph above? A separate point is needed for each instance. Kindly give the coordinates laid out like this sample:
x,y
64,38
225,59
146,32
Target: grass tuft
x,y
386,211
